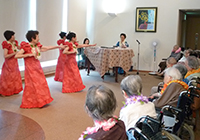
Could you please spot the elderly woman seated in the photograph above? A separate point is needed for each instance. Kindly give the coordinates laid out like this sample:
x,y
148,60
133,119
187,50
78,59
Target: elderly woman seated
x,y
185,55
183,70
136,104
156,89
192,65
173,86
100,104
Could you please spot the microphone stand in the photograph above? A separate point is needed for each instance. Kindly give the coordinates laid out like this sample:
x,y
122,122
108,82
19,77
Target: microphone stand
x,y
138,56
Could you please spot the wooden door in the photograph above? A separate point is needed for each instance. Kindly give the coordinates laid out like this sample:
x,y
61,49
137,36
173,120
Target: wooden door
x,y
193,32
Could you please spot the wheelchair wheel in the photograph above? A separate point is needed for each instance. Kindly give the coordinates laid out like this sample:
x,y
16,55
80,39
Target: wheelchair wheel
x,y
168,136
185,132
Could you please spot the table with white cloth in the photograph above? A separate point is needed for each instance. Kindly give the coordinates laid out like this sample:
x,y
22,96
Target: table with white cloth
x,y
105,58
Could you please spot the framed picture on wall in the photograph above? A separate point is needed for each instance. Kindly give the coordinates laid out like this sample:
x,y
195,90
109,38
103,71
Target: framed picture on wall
x,y
146,19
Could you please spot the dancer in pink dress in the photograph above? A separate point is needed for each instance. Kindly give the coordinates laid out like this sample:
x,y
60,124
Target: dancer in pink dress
x,y
10,80
36,91
72,81
61,59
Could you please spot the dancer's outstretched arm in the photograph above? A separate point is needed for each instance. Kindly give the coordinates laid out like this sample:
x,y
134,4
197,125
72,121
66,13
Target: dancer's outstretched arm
x,y
20,54
46,48
85,45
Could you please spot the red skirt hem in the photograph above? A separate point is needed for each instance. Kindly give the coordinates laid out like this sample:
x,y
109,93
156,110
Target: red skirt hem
x,y
73,90
9,94
38,105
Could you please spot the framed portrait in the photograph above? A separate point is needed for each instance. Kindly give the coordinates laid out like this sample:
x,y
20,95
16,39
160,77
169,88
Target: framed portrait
x,y
146,19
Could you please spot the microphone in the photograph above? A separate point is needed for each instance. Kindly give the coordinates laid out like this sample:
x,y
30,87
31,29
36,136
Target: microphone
x,y
138,41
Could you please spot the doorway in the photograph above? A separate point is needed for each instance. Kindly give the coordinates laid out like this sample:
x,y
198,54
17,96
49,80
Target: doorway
x,y
189,29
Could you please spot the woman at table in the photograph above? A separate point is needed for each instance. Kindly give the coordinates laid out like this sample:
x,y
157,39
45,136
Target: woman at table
x,y
36,92
61,58
10,80
72,81
122,44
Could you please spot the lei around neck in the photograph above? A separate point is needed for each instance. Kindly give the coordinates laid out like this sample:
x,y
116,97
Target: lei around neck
x,y
134,99
106,125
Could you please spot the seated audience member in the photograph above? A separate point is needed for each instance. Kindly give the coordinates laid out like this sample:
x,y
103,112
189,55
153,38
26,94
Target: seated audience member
x,y
183,70
185,55
169,63
173,86
123,44
192,65
87,41
136,104
100,104
176,53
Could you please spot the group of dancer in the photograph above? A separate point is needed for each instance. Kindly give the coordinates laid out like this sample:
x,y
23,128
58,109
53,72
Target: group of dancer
x,y
36,92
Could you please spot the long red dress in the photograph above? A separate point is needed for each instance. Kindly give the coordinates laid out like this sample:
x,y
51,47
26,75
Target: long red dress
x,y
72,81
36,90
60,63
10,80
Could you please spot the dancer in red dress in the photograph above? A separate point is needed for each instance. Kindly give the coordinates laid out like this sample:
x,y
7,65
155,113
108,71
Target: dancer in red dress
x,y
36,91
72,81
10,80
61,59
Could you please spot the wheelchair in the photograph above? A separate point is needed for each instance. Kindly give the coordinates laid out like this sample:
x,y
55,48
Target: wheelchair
x,y
178,121
148,128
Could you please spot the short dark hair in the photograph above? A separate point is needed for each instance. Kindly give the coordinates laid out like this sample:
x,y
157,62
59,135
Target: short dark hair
x,y
8,34
123,34
100,102
31,34
86,40
70,35
62,34
193,53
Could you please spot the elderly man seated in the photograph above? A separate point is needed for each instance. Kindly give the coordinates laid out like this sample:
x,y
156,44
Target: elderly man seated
x,y
136,104
169,63
173,86
192,64
100,104
176,53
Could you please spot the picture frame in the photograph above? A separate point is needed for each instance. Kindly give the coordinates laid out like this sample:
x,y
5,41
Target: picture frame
x,y
146,19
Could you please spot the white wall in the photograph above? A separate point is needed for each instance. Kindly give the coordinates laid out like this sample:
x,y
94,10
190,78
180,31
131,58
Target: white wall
x,y
77,18
49,24
99,27
107,29
15,14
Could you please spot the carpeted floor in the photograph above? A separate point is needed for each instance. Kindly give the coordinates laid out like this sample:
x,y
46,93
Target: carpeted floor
x,y
65,118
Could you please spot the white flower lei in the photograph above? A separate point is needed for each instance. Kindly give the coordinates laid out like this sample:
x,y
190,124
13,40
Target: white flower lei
x,y
33,50
14,46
